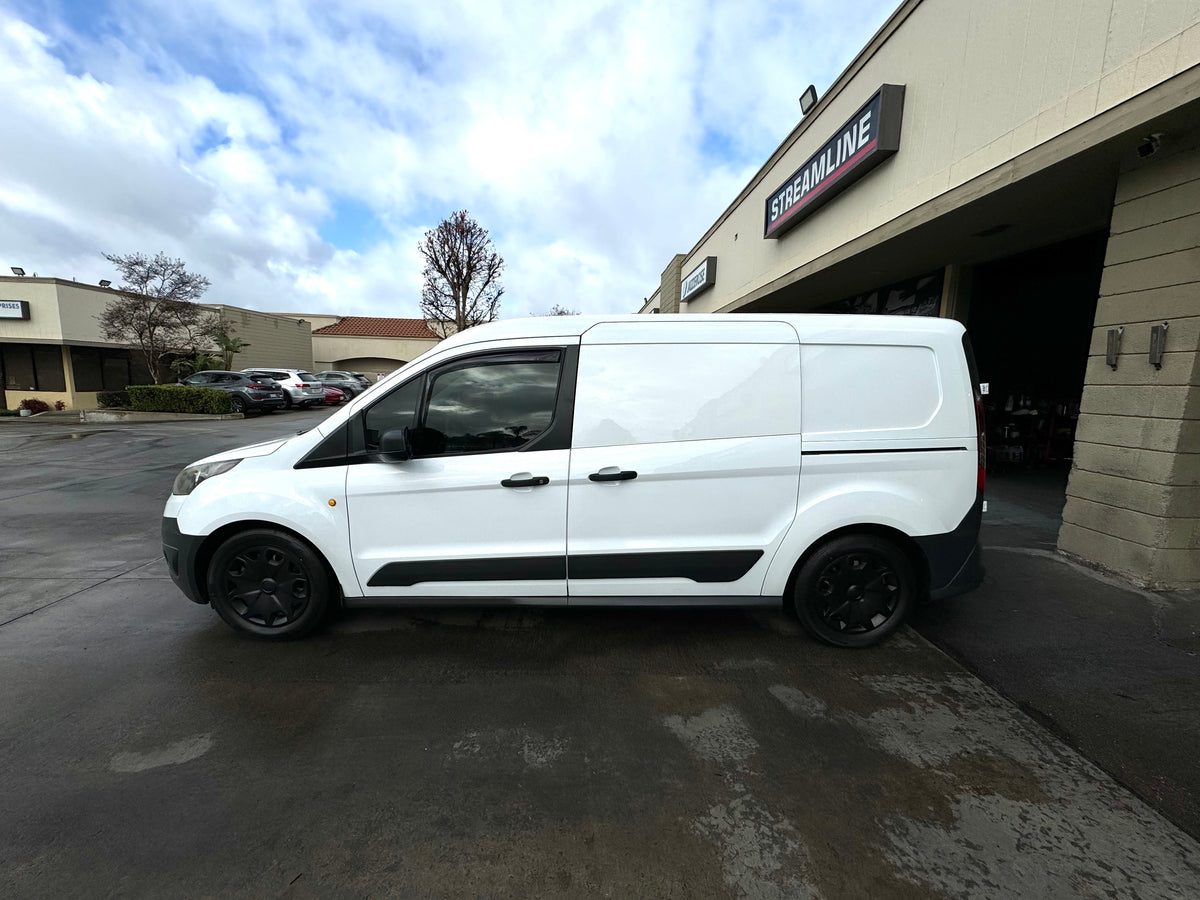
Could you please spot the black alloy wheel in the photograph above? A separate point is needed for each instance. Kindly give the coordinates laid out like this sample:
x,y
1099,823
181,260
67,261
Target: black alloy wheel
x,y
855,591
238,403
269,584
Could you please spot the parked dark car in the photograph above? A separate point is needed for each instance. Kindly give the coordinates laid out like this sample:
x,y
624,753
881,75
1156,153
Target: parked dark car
x,y
343,381
300,387
366,382
250,392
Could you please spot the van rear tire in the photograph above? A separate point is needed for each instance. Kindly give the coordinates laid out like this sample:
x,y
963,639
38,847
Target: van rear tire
x,y
268,584
854,591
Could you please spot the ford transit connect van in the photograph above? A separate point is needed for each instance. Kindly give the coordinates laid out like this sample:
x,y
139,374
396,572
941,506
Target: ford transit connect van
x,y
831,465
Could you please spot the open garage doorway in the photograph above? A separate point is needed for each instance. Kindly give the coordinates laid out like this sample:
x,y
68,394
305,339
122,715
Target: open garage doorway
x,y
1030,320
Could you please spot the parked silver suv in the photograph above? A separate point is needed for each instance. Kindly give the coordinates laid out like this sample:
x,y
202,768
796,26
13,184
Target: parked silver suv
x,y
300,388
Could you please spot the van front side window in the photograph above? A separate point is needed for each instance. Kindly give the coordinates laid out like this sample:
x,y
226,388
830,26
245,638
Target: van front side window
x,y
397,410
490,406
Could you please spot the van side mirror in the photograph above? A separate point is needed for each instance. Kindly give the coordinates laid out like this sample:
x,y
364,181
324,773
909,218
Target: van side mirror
x,y
395,445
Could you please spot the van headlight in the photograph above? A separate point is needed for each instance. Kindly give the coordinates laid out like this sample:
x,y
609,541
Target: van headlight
x,y
186,481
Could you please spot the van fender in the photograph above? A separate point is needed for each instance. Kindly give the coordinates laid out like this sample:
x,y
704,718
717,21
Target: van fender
x,y
823,514
313,507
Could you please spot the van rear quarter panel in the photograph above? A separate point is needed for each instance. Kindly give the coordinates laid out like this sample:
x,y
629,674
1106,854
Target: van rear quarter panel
x,y
888,435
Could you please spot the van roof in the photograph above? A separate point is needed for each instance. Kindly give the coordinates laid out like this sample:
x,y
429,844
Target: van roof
x,y
573,326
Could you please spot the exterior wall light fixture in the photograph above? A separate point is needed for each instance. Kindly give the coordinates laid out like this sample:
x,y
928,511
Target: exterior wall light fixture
x,y
808,99
1114,346
1158,344
18,271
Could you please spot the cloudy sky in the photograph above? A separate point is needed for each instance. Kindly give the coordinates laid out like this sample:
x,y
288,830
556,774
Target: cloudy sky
x,y
295,151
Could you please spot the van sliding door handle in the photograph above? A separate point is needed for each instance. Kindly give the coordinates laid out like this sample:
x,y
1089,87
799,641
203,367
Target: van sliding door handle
x,y
535,481
626,475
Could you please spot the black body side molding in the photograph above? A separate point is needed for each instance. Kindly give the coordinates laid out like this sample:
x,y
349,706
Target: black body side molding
x,y
701,566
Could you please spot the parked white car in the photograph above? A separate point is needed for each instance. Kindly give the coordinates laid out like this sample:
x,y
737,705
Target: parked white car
x,y
300,388
832,465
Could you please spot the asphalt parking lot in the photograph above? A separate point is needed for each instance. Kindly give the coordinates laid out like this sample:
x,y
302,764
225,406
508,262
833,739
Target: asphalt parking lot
x,y
148,750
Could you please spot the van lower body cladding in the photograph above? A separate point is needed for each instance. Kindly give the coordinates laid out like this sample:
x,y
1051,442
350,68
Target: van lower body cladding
x,y
180,551
955,558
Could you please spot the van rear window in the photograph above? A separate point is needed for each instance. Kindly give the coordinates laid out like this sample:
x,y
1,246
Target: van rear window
x,y
848,388
659,393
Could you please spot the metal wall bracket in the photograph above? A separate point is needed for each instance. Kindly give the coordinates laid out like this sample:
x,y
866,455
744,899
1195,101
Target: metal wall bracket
x,y
1114,346
1158,343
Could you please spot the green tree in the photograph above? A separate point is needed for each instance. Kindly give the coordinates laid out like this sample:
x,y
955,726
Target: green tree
x,y
156,310
230,345
461,278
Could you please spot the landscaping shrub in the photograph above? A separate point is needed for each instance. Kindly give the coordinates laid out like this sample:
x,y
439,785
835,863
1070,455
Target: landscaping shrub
x,y
60,405
112,400
178,398
34,405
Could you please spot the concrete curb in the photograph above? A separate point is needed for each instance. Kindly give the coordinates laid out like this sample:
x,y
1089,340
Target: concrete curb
x,y
111,416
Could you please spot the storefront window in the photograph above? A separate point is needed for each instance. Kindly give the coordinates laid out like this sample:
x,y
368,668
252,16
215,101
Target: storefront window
x,y
116,371
18,367
30,367
920,296
48,368
100,370
85,362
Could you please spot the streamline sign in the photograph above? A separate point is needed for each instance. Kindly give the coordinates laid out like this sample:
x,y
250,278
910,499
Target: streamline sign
x,y
870,136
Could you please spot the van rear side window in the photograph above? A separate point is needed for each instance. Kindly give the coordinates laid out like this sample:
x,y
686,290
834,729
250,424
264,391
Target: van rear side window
x,y
659,393
853,388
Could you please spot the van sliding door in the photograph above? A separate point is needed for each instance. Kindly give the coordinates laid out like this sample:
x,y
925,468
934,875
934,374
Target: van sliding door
x,y
685,461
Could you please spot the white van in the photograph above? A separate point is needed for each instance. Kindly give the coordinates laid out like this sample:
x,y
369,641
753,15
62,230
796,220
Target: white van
x,y
829,464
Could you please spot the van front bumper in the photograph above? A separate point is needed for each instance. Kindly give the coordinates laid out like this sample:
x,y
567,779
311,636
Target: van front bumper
x,y
180,551
955,558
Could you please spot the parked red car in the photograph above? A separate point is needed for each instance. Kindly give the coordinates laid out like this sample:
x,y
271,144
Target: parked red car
x,y
334,395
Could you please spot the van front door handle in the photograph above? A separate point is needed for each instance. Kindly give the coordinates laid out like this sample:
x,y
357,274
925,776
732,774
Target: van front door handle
x,y
535,481
626,475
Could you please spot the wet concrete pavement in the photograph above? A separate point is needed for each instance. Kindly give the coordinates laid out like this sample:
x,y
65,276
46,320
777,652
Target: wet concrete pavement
x,y
148,750
1113,670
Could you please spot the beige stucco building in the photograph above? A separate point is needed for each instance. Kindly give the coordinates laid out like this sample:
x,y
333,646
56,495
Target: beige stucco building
x,y
51,346
367,344
1031,168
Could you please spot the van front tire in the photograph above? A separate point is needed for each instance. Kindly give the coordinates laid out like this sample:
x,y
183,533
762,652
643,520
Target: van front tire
x,y
268,584
854,591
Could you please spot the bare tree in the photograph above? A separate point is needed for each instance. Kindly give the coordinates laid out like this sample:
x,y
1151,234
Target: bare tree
x,y
462,271
156,309
559,310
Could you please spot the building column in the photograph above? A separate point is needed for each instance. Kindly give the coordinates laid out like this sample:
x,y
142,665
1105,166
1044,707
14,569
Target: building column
x,y
956,292
69,377
1133,500
668,285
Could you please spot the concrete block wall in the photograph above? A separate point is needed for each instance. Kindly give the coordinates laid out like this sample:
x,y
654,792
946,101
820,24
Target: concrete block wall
x,y
273,340
1133,500
669,283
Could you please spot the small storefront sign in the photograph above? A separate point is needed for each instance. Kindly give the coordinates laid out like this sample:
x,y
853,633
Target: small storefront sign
x,y
870,136
699,279
14,309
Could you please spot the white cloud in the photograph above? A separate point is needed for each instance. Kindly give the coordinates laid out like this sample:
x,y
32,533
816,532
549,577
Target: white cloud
x,y
581,135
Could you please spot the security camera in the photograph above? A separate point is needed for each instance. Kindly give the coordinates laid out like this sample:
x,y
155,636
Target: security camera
x,y
1149,145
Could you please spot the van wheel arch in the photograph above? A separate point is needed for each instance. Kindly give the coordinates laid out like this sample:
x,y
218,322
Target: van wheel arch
x,y
205,554
902,541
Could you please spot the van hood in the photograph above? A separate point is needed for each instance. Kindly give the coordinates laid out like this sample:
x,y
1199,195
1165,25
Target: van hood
x,y
264,448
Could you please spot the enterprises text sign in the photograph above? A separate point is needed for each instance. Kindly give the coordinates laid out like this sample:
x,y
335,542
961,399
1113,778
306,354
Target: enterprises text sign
x,y
700,279
870,136
14,309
